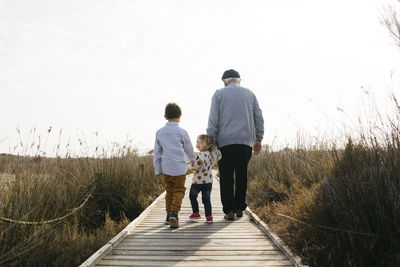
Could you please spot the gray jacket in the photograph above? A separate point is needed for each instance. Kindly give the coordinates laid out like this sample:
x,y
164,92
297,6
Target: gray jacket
x,y
235,117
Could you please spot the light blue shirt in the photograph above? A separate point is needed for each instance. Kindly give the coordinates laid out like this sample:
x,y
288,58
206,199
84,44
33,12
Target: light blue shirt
x,y
235,117
172,150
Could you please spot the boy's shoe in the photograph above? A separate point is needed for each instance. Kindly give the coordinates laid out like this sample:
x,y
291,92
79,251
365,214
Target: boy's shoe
x,y
239,213
230,216
209,219
173,219
195,216
167,220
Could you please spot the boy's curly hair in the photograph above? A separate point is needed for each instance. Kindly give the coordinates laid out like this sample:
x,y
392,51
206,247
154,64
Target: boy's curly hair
x,y
172,110
209,141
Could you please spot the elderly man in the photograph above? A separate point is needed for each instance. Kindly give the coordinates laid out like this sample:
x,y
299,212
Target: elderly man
x,y
237,124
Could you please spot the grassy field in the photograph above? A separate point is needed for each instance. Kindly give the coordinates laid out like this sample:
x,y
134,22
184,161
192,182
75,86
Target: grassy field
x,y
333,207
63,209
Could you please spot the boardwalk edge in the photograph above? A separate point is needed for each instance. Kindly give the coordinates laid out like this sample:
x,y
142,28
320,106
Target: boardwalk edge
x,y
293,258
104,250
296,260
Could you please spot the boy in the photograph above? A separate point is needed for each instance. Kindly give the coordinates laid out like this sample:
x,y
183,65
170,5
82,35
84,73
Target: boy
x,y
172,148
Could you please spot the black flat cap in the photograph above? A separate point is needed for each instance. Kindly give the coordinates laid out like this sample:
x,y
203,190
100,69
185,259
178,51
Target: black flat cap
x,y
230,74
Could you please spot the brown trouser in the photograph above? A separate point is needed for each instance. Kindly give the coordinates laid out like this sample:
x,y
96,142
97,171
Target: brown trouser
x,y
175,187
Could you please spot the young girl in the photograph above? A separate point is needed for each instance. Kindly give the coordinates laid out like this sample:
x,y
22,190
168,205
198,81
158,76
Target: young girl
x,y
202,177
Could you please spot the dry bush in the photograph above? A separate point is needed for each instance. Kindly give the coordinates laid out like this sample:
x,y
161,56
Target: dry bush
x,y
360,202
335,207
119,186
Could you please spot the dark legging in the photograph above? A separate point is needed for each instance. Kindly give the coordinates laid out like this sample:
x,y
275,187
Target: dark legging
x,y
205,190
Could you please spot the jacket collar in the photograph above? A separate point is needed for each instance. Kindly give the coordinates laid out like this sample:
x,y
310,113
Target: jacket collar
x,y
172,123
233,84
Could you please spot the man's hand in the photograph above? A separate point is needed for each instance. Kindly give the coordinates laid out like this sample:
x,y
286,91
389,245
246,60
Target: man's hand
x,y
256,148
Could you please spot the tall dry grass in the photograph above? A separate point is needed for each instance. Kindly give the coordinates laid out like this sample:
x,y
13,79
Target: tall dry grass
x,y
91,199
335,207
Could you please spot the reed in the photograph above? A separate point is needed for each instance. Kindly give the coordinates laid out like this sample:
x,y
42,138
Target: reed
x,y
63,209
335,206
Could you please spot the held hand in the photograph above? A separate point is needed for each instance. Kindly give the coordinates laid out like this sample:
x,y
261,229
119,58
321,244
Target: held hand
x,y
256,148
190,167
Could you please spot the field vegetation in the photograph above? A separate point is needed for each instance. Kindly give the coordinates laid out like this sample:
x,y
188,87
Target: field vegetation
x,y
59,211
335,205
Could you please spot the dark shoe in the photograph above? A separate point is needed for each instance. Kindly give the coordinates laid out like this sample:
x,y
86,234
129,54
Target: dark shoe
x,y
239,213
167,220
174,220
230,216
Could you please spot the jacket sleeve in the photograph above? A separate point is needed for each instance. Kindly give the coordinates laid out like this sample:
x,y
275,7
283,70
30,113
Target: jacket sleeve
x,y
213,118
258,120
157,157
187,146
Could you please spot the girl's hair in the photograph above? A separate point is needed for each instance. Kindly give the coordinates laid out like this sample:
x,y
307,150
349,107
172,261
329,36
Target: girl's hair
x,y
209,141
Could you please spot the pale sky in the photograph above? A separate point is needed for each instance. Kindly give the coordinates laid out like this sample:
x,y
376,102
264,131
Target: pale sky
x,y
111,66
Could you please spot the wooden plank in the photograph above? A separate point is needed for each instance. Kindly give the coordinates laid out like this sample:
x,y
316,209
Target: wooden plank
x,y
182,222
185,220
208,232
198,229
182,235
177,242
196,258
117,251
221,223
197,248
199,226
196,235
196,263
248,231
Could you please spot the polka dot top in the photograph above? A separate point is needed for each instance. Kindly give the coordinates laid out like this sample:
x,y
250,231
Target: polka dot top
x,y
202,166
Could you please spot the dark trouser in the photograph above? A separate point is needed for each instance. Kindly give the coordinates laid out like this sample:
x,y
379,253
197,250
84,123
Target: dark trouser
x,y
205,190
235,159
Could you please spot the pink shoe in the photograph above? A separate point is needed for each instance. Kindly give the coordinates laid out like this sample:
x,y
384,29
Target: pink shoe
x,y
195,216
209,219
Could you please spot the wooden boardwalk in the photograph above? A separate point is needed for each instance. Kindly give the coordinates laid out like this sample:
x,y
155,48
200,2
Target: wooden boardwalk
x,y
147,241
